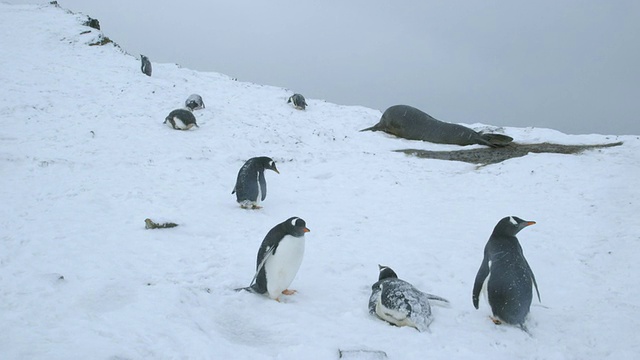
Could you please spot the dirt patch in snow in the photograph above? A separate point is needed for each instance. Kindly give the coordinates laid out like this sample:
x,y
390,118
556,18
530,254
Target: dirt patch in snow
x,y
486,156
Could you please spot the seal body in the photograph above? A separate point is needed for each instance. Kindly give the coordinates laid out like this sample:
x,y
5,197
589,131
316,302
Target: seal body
x,y
251,185
410,123
400,303
194,102
279,258
505,274
181,119
297,101
146,65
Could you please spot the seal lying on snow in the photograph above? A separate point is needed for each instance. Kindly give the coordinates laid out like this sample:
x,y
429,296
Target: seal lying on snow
x,y
410,123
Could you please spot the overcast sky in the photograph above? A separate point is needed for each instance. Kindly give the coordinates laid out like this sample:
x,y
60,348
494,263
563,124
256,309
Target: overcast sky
x,y
570,65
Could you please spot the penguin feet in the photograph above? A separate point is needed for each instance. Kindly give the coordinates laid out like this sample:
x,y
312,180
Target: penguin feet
x,y
289,292
495,320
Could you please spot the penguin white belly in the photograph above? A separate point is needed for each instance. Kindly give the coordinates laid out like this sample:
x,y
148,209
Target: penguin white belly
x,y
259,198
179,124
393,316
485,285
281,268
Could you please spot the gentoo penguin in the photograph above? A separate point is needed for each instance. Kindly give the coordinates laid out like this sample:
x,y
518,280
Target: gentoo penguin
x,y
400,303
505,274
298,101
251,186
181,119
279,259
194,102
146,65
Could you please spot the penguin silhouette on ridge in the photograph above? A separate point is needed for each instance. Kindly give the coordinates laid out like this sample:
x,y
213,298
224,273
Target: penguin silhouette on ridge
x,y
279,258
298,101
146,65
505,274
251,185
400,303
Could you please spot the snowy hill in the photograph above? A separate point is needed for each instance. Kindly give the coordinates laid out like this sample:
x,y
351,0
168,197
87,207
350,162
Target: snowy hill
x,y
85,158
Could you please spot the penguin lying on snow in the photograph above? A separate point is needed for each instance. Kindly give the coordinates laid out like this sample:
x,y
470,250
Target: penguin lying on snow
x,y
251,185
194,102
279,259
399,303
505,274
298,101
181,119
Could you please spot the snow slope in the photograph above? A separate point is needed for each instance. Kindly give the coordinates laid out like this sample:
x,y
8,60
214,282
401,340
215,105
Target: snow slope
x,y
84,159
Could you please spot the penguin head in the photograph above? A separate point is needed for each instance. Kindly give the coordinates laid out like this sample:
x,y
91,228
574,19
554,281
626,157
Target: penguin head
x,y
386,273
268,163
192,105
511,225
295,226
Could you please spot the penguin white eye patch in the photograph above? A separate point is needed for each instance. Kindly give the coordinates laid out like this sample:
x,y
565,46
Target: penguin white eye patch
x,y
293,221
512,220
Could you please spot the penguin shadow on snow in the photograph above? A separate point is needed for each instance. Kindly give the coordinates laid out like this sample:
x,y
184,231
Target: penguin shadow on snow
x,y
505,276
279,259
399,303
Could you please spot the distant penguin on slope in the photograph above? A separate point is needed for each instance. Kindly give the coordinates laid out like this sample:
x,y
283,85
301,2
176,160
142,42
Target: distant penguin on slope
x,y
181,119
194,102
146,65
505,274
400,303
251,185
298,101
279,259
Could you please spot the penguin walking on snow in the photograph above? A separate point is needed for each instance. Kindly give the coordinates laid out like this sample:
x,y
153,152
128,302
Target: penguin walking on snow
x,y
279,259
400,303
251,185
298,101
181,119
194,102
505,274
146,65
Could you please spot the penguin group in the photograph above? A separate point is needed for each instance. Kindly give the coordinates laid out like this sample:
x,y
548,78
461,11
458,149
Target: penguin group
x,y
504,276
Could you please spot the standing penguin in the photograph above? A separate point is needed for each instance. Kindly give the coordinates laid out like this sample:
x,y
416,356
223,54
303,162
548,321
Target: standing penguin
x,y
251,186
146,65
505,274
279,259
400,303
194,102
298,101
181,119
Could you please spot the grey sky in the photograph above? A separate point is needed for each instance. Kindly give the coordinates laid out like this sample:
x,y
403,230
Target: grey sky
x,y
568,65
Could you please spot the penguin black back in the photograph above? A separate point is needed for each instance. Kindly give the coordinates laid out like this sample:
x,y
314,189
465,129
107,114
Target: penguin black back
x,y
509,278
146,65
251,185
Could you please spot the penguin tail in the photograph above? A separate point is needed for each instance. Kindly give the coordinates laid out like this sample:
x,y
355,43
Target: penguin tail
x,y
248,288
440,300
525,329
497,140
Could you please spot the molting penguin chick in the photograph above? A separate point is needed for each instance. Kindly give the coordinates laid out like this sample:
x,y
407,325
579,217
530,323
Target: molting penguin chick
x,y
181,119
194,102
298,101
146,65
400,303
251,185
505,274
279,259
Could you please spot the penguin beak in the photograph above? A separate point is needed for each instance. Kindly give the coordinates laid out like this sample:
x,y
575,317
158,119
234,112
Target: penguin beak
x,y
530,223
306,230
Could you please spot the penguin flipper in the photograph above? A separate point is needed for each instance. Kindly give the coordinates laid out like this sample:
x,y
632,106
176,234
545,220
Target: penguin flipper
x,y
372,128
535,284
482,274
263,185
437,298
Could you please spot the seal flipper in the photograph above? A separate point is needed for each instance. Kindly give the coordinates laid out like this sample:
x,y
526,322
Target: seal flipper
x,y
375,127
496,140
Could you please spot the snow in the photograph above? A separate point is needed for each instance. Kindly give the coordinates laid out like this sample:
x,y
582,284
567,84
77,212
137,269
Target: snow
x,y
85,158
